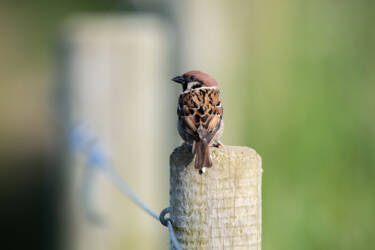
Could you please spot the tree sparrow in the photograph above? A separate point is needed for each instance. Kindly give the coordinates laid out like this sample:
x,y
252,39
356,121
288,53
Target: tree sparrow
x,y
200,115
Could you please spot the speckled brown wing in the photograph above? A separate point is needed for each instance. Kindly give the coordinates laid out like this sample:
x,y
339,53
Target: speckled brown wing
x,y
200,113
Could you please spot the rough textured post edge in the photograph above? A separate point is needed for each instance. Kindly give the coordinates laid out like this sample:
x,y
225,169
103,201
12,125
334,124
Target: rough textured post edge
x,y
220,209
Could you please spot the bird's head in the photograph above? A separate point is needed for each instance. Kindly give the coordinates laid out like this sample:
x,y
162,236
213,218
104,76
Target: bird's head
x,y
195,79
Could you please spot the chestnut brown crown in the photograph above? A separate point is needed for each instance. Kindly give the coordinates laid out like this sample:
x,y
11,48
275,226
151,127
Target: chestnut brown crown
x,y
195,79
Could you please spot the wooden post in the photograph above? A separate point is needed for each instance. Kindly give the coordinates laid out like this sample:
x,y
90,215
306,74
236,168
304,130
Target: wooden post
x,y
220,209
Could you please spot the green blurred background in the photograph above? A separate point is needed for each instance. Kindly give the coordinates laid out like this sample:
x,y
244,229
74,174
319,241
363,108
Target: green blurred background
x,y
298,86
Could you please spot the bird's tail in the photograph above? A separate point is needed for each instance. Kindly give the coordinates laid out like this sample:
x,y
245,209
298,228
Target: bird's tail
x,y
203,159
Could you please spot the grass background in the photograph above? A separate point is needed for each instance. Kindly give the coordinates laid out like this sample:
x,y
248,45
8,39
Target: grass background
x,y
304,98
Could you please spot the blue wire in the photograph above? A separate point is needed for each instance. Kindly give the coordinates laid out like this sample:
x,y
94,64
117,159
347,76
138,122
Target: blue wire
x,y
81,141
125,189
173,238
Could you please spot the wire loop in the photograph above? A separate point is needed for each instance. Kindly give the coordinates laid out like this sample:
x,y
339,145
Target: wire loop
x,y
163,220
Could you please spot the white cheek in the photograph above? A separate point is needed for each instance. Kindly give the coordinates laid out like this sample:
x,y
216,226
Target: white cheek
x,y
191,85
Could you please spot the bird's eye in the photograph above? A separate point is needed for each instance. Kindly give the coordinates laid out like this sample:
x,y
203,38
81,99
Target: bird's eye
x,y
192,78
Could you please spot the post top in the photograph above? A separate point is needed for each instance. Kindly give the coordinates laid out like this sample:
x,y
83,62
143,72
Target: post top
x,y
186,149
182,155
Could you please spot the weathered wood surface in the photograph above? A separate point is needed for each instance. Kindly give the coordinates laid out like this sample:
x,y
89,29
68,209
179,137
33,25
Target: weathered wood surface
x,y
220,209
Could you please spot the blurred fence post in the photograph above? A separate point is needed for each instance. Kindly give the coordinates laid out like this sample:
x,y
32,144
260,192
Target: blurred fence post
x,y
220,209
117,69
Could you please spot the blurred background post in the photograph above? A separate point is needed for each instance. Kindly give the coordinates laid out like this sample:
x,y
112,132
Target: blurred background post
x,y
297,81
117,67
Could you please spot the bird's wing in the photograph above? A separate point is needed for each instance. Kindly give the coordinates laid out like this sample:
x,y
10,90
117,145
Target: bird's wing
x,y
185,114
213,113
201,112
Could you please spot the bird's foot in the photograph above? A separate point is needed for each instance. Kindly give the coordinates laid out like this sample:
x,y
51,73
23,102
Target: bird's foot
x,y
218,144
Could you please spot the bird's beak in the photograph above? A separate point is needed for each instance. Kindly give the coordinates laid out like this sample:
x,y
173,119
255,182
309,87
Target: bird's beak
x,y
179,79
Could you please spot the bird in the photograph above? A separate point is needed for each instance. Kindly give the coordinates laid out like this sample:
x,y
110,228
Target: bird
x,y
200,115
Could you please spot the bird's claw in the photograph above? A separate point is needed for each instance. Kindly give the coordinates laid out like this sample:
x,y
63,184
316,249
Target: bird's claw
x,y
218,144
